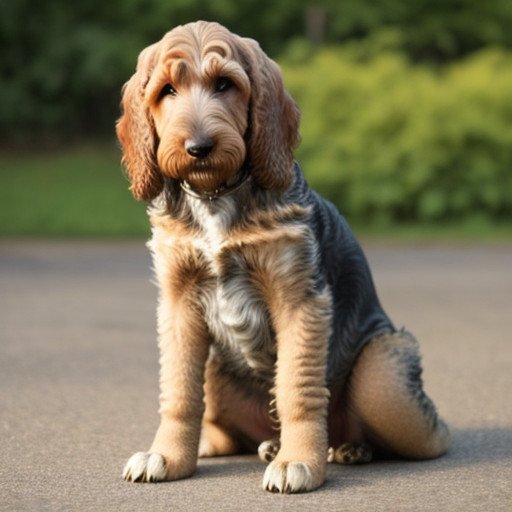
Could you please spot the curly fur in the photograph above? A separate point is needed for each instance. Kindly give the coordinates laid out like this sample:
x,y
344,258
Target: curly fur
x,y
265,295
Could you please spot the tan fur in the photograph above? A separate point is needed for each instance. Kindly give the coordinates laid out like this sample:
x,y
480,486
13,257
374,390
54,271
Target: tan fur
x,y
136,132
396,418
243,321
300,388
184,346
225,403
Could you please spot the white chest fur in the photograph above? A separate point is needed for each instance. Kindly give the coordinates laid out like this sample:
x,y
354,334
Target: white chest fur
x,y
239,323
236,313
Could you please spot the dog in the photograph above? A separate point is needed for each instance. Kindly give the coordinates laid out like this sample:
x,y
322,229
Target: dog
x,y
271,335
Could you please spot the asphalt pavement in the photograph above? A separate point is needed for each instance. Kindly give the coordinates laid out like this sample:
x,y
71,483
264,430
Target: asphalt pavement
x,y
79,385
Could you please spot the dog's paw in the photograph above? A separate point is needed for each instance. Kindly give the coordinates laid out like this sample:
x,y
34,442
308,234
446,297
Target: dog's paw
x,y
206,448
145,467
352,453
288,477
268,450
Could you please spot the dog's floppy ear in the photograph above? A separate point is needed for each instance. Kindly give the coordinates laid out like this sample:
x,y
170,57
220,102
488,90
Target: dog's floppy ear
x,y
136,132
273,122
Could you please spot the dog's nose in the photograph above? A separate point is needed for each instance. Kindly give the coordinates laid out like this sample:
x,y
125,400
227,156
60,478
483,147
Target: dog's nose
x,y
199,148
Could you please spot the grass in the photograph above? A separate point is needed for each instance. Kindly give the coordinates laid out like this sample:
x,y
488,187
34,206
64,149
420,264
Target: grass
x,y
77,192
82,192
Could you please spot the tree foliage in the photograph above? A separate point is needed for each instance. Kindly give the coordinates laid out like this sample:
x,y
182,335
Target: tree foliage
x,y
387,140
63,63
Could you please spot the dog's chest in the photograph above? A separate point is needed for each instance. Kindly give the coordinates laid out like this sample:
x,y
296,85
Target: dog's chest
x,y
239,323
235,311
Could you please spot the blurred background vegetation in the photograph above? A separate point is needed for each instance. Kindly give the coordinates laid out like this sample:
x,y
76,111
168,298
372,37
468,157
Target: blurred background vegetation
x,y
407,107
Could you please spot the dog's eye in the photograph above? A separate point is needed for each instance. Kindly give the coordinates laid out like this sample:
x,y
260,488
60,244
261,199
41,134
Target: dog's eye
x,y
223,84
168,90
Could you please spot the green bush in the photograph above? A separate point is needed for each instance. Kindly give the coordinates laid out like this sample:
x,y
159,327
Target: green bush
x,y
386,140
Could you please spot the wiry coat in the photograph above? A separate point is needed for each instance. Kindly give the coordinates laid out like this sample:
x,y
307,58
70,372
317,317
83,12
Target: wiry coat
x,y
265,296
326,254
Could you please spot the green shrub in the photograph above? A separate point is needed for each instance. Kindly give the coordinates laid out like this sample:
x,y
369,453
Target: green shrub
x,y
386,140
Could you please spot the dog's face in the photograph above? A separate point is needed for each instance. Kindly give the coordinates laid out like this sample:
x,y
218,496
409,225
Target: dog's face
x,y
202,102
199,101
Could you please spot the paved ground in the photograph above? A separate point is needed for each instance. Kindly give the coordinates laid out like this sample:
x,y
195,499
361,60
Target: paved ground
x,y
78,386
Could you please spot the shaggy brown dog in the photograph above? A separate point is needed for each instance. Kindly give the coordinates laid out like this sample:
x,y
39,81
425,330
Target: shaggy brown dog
x,y
270,329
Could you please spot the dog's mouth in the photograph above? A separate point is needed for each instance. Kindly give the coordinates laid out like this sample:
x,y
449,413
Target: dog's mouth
x,y
205,177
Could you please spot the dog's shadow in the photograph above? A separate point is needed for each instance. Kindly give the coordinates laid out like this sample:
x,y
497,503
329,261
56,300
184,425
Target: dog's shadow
x,y
479,445
470,447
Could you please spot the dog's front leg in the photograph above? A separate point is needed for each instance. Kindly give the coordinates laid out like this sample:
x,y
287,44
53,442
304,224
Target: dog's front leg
x,y
301,395
184,346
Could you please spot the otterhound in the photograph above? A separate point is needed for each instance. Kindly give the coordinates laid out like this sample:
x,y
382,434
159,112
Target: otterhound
x,y
271,334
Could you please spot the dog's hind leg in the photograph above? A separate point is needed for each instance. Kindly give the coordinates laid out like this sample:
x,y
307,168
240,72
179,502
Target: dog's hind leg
x,y
234,421
217,438
386,394
351,453
268,450
216,441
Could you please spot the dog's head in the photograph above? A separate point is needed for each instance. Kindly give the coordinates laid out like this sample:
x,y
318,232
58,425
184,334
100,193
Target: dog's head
x,y
202,103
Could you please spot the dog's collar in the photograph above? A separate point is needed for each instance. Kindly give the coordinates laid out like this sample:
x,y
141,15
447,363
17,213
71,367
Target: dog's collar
x,y
222,191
